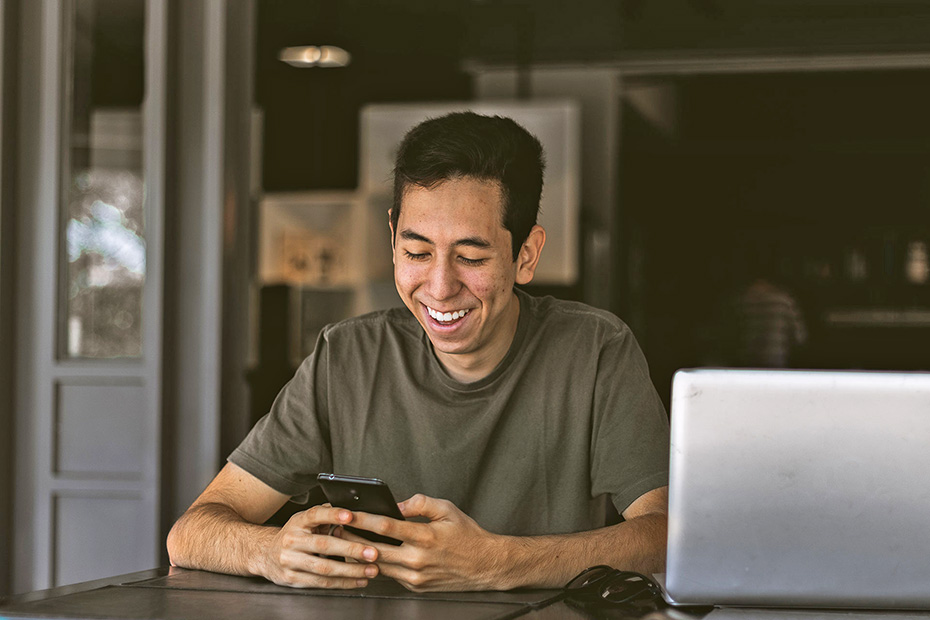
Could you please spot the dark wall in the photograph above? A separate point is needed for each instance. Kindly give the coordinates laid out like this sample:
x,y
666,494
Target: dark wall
x,y
800,171
558,30
413,50
796,26
400,52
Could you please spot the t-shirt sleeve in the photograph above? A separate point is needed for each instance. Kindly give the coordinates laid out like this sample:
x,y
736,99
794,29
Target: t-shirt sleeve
x,y
630,442
290,445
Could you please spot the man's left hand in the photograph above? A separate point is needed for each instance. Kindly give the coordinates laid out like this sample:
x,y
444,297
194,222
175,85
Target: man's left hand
x,y
450,552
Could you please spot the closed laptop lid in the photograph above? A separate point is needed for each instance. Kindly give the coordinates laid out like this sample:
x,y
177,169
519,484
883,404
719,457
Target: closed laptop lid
x,y
800,488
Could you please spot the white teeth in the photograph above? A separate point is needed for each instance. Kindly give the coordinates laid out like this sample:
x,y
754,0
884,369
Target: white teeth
x,y
446,316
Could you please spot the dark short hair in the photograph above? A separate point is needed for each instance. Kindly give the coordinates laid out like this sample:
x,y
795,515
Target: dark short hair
x,y
489,148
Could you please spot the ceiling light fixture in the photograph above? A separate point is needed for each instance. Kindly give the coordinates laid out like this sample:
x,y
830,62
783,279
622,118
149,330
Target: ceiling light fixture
x,y
315,56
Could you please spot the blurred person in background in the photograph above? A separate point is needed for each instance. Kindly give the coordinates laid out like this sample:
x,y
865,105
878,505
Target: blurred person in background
x,y
760,325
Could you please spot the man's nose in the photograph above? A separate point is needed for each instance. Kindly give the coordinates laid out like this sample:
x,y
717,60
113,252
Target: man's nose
x,y
443,280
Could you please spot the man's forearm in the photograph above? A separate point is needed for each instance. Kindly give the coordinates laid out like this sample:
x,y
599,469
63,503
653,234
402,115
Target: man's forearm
x,y
214,537
550,561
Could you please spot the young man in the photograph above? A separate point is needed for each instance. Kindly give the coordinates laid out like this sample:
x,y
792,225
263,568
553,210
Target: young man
x,y
504,420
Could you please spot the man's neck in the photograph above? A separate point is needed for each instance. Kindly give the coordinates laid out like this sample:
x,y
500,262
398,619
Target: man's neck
x,y
471,367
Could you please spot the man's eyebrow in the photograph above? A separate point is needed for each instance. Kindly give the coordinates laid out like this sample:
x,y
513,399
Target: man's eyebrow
x,y
474,242
409,235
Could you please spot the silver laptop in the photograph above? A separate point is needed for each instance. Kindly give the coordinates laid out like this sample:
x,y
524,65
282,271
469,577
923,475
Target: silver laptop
x,y
800,489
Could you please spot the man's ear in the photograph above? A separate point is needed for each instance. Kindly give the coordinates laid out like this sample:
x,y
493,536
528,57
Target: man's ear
x,y
528,257
391,227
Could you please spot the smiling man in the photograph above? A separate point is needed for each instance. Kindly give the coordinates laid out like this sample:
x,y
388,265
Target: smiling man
x,y
508,421
454,271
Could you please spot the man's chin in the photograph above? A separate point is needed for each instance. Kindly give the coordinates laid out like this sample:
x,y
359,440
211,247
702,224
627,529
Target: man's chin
x,y
448,346
444,344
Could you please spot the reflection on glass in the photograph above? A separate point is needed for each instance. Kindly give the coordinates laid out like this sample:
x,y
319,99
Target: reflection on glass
x,y
104,234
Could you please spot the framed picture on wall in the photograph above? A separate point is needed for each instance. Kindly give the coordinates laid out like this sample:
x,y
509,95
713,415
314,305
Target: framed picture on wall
x,y
309,239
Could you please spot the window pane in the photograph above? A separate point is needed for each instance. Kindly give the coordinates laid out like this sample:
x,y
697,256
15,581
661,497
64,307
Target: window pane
x,y
103,200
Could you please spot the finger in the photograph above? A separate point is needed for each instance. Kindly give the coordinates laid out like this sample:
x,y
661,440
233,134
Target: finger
x,y
327,529
386,526
413,580
408,555
326,567
430,507
303,579
329,545
307,580
351,536
321,515
346,535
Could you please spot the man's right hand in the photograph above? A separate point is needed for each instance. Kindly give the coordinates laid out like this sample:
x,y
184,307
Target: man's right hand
x,y
295,556
223,531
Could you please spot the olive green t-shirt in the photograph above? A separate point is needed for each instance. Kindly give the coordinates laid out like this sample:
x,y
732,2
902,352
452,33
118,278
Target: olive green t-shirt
x,y
569,417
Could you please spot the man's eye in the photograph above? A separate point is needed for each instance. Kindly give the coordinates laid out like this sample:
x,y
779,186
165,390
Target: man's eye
x,y
473,262
413,256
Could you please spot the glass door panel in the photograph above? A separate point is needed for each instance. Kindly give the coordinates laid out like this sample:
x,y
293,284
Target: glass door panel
x,y
103,185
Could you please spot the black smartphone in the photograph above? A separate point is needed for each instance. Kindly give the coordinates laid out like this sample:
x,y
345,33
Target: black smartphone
x,y
364,495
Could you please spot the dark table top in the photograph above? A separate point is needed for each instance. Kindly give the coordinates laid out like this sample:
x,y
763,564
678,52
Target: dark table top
x,y
170,593
173,593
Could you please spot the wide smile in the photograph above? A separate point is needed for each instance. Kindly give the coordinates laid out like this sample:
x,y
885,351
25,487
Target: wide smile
x,y
447,318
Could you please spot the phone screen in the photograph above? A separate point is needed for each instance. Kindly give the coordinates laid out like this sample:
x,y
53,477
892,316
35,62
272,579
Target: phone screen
x,y
363,495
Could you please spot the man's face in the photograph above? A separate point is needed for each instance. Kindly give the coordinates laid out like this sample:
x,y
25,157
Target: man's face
x,y
454,269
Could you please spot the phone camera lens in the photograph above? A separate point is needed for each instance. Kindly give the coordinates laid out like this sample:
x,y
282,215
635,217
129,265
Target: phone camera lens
x,y
356,498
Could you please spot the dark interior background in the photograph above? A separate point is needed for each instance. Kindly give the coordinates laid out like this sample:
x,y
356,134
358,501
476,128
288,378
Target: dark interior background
x,y
803,168
414,50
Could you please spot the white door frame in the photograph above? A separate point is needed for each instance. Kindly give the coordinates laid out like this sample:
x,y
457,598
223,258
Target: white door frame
x,y
41,489
197,157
